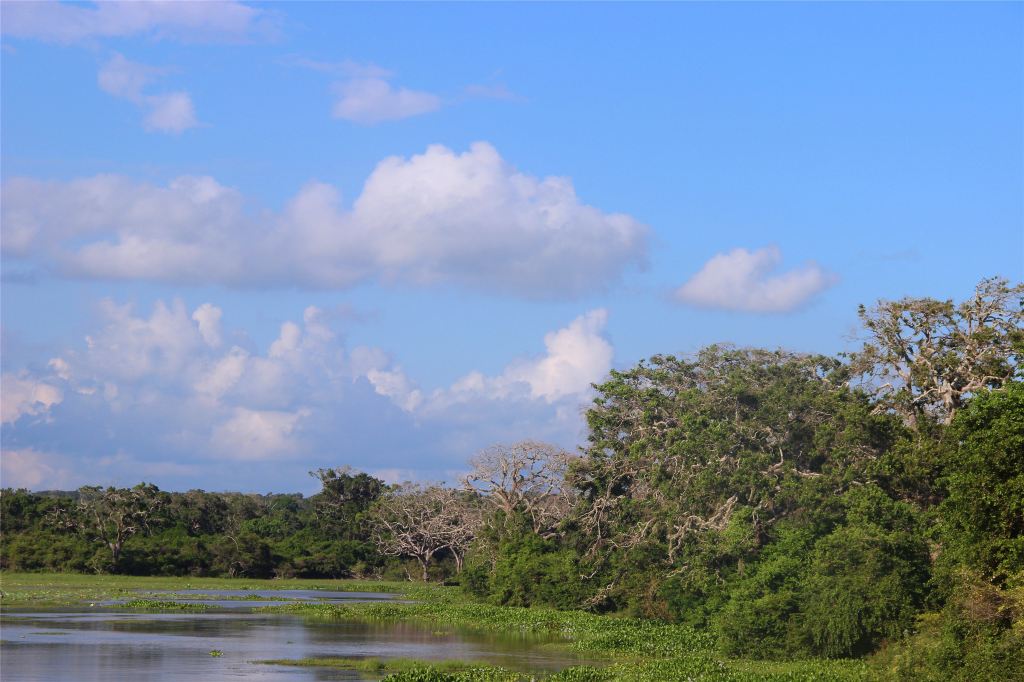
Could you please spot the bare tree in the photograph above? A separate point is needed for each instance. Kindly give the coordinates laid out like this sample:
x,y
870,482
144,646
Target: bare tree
x,y
527,477
928,356
110,516
419,521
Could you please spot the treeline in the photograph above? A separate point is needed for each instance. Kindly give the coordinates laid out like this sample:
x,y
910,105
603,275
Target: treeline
x,y
795,505
146,531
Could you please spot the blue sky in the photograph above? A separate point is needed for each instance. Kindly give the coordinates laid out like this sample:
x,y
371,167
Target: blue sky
x,y
244,241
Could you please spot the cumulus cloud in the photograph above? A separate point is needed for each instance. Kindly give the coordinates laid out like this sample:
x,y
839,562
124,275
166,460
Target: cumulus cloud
x,y
164,395
25,395
437,218
66,23
168,112
369,100
257,434
207,316
743,280
575,357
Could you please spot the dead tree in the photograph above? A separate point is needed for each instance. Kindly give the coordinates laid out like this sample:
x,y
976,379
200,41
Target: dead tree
x,y
527,477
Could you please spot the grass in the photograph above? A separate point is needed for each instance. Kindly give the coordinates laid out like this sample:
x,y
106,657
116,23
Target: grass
x,y
42,590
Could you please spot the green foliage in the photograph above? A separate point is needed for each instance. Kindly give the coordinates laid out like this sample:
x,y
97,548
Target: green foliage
x,y
983,517
530,570
191,533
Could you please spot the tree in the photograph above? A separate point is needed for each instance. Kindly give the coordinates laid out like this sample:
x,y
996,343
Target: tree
x,y
110,516
527,477
926,357
420,522
686,453
344,498
983,515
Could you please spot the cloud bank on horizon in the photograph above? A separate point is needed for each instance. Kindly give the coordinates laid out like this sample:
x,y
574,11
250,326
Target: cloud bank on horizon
x,y
174,385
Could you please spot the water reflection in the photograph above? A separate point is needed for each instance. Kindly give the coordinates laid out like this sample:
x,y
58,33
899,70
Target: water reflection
x,y
111,645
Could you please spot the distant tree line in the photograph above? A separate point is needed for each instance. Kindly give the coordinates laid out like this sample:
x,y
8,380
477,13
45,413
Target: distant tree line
x,y
796,505
147,531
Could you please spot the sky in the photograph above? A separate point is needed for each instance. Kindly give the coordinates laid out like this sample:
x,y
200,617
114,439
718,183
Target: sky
x,y
244,241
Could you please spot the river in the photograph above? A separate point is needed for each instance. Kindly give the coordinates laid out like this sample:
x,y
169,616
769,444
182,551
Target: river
x,y
106,643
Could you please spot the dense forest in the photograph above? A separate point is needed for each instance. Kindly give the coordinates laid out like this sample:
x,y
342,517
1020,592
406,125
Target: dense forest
x,y
794,505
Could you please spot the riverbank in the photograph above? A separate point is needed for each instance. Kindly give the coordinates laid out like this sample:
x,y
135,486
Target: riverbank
x,y
628,649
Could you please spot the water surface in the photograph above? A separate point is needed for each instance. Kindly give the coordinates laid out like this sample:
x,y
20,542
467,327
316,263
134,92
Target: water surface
x,y
108,644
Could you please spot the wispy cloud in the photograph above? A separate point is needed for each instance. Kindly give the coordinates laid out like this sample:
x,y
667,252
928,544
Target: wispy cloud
x,y
498,91
166,112
742,280
66,23
366,94
373,100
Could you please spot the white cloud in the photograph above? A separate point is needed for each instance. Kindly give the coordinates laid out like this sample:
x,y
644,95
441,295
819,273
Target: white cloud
x,y
258,434
123,78
396,385
366,96
63,22
437,218
169,112
743,280
576,357
374,100
172,401
207,316
24,395
28,468
129,348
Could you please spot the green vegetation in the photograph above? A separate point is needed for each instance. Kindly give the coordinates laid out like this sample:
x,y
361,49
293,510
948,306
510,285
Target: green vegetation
x,y
736,504
146,531
41,590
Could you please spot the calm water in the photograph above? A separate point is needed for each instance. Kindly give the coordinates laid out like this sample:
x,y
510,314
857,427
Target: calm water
x,y
108,644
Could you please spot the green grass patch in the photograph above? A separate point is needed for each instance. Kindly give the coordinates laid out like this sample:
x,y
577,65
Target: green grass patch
x,y
40,590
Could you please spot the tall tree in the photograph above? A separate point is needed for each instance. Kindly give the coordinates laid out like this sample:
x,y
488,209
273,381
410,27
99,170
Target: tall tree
x,y
111,516
344,498
683,448
926,357
525,478
421,522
